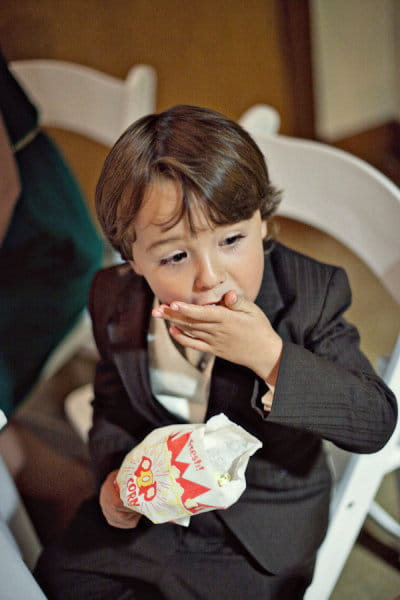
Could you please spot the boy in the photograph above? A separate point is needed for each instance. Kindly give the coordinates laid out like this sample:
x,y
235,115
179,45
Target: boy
x,y
212,317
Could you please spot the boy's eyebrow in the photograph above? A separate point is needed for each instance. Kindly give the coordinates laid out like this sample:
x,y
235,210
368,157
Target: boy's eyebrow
x,y
162,242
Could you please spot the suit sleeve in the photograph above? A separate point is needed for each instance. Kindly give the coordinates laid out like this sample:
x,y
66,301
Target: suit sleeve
x,y
328,387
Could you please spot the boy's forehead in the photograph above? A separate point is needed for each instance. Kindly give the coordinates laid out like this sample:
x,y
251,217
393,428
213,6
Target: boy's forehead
x,y
162,199
162,209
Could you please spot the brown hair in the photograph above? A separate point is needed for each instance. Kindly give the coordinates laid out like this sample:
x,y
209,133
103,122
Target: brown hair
x,y
217,164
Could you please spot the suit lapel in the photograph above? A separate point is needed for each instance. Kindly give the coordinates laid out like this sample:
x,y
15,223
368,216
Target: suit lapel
x,y
269,298
127,331
231,384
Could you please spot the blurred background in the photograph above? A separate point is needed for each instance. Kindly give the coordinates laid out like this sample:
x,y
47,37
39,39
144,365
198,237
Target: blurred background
x,y
330,68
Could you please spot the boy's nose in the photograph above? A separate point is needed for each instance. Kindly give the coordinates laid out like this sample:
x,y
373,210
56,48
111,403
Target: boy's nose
x,y
208,276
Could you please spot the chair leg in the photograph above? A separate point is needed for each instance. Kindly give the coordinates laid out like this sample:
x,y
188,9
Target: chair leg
x,y
14,515
384,520
351,502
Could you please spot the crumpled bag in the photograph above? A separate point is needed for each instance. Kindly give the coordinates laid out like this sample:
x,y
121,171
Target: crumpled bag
x,y
181,470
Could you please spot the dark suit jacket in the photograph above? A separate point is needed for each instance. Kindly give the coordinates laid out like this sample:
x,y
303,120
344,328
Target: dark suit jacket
x,y
326,389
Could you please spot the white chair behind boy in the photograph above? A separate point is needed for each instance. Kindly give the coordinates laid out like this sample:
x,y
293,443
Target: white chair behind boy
x,y
81,99
97,106
351,201
19,544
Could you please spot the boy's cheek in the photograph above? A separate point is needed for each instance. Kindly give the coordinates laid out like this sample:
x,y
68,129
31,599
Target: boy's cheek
x,y
135,267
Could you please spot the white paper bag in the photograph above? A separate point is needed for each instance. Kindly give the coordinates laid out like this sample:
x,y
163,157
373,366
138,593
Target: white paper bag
x,y
181,470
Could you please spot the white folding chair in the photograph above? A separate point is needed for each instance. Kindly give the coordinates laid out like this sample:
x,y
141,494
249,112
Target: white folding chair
x,y
261,119
19,544
86,101
357,205
97,106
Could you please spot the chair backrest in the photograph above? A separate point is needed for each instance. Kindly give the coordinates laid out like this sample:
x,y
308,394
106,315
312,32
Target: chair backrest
x,y
342,196
261,119
86,101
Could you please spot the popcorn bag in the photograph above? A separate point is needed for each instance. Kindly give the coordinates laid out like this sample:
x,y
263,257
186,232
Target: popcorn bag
x,y
181,470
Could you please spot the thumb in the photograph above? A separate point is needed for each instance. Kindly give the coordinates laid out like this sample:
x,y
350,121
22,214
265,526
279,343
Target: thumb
x,y
235,302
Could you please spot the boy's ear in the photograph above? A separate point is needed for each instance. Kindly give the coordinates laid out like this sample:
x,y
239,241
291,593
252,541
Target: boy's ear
x,y
135,267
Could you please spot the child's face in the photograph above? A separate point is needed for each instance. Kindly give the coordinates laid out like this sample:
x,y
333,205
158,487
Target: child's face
x,y
201,267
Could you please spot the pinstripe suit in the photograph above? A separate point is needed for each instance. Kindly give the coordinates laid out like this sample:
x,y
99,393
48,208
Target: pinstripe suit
x,y
326,389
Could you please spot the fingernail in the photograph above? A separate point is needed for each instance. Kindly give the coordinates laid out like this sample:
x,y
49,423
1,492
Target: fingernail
x,y
156,312
174,306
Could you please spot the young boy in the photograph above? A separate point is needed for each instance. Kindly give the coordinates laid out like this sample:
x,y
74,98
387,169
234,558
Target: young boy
x,y
208,316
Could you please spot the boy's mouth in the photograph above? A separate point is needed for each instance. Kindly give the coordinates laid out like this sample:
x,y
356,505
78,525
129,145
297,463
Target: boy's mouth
x,y
217,303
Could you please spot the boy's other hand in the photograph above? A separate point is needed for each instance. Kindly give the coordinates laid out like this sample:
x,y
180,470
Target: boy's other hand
x,y
115,513
237,331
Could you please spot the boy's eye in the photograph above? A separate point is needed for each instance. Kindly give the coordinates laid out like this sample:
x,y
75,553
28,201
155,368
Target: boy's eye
x,y
231,240
174,259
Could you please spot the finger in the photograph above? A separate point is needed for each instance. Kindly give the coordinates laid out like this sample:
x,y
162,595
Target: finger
x,y
188,340
128,512
194,328
194,313
193,334
122,517
239,303
126,523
